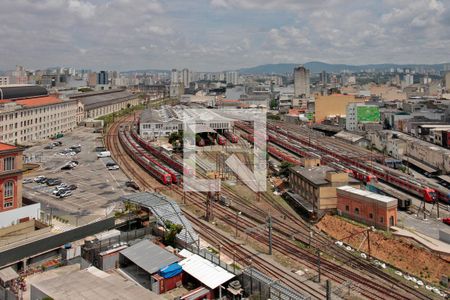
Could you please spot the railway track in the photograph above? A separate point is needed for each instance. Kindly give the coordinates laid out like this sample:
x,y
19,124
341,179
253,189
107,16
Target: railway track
x,y
370,289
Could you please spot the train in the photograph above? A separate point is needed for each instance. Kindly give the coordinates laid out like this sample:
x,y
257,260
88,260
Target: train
x,y
282,156
221,140
231,137
154,170
381,172
164,157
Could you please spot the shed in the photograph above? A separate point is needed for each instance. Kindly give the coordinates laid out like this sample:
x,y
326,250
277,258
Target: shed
x,y
203,270
149,256
7,275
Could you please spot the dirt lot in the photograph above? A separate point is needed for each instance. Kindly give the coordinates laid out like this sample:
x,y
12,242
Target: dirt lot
x,y
400,252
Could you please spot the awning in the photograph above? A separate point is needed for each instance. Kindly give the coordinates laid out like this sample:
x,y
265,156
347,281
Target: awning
x,y
149,256
205,271
419,164
8,274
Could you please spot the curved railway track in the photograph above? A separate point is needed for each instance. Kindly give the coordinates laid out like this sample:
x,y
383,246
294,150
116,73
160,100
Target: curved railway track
x,y
367,285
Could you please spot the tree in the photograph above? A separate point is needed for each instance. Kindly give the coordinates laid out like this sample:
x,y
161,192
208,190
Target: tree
x,y
172,230
284,167
273,104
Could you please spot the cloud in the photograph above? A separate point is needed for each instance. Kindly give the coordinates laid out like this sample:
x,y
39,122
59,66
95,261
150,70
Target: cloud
x,y
224,34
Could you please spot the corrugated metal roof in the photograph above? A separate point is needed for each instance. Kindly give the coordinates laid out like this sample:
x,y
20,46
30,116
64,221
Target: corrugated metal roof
x,y
8,274
148,256
419,164
205,271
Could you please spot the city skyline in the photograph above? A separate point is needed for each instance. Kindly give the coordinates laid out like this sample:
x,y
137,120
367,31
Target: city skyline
x,y
221,34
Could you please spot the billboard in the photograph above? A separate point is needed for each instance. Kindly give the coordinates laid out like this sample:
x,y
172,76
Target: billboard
x,y
368,113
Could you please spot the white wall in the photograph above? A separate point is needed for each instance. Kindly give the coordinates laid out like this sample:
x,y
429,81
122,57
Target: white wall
x,y
10,217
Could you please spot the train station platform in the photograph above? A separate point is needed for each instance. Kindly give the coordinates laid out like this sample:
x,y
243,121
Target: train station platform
x,y
430,243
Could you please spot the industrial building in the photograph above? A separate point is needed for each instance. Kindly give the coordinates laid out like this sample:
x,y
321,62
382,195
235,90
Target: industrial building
x,y
367,207
333,105
317,185
10,177
98,104
28,114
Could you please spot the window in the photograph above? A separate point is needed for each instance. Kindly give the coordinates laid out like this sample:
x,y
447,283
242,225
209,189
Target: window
x,y
356,211
8,163
381,220
8,189
347,208
371,215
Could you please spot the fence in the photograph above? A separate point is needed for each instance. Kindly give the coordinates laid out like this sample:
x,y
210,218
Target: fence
x,y
36,247
253,282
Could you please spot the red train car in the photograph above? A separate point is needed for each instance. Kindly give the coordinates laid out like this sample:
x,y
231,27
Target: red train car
x,y
231,137
221,140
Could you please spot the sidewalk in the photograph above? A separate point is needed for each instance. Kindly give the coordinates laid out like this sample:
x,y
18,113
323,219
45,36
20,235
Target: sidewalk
x,y
431,243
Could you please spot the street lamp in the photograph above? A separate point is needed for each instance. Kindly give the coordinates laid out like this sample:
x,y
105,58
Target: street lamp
x,y
238,213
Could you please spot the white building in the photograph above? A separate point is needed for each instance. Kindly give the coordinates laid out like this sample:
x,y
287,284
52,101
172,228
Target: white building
x,y
408,79
186,78
301,82
4,80
157,123
447,82
232,77
370,114
174,76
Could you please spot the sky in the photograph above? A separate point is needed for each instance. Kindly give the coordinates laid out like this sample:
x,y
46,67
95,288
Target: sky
x,y
213,35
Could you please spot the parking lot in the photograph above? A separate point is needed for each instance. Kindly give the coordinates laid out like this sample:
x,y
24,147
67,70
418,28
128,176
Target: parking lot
x,y
98,189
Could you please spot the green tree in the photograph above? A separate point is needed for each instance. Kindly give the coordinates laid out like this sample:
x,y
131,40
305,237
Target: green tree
x,y
172,230
284,167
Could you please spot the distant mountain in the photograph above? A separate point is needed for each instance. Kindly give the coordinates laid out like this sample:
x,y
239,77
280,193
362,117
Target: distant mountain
x,y
317,67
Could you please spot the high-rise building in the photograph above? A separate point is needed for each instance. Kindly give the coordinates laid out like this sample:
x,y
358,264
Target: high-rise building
x,y
323,78
186,78
18,76
92,79
174,78
409,79
102,77
447,81
231,77
301,82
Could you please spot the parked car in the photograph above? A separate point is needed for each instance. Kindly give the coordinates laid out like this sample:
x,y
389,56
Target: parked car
x,y
67,167
53,182
446,221
65,194
62,185
132,184
113,167
104,154
48,147
27,180
100,149
72,187
57,191
111,163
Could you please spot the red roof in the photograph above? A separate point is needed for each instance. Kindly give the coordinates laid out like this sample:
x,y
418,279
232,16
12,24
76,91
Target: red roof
x,y
4,147
39,101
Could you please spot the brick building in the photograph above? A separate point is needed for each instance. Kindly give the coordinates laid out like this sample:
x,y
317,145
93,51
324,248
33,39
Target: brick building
x,y
367,207
317,184
10,177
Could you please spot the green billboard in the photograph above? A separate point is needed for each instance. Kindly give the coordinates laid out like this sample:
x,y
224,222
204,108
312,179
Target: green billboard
x,y
368,113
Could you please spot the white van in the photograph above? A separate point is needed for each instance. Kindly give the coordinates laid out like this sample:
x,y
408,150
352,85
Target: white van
x,y
104,154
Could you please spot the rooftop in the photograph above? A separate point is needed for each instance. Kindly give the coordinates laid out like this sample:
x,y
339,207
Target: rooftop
x,y
4,147
317,175
92,283
97,99
39,101
149,256
367,194
22,91
203,270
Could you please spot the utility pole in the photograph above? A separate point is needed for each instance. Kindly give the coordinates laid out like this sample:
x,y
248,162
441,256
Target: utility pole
x,y
328,287
318,265
238,213
270,234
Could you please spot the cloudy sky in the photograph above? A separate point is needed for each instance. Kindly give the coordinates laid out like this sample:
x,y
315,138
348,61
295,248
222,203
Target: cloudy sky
x,y
210,35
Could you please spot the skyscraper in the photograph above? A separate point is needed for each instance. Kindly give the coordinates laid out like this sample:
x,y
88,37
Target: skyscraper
x,y
174,76
323,78
186,78
301,82
232,77
102,77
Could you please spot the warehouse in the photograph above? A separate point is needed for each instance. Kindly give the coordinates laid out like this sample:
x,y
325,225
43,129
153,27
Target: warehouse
x,y
367,207
98,104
